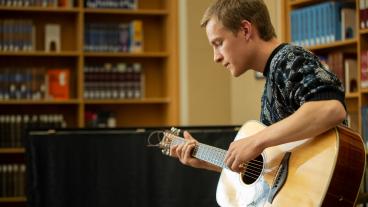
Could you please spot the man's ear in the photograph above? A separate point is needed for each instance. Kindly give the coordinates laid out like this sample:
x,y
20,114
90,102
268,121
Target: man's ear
x,y
246,29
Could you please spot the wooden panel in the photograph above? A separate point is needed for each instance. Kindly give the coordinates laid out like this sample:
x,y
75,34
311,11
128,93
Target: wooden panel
x,y
151,4
134,115
171,75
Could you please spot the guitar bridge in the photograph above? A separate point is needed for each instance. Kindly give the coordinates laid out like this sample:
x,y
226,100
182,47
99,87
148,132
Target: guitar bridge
x,y
280,177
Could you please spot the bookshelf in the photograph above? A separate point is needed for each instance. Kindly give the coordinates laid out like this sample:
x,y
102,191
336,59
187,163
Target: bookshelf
x,y
353,47
159,105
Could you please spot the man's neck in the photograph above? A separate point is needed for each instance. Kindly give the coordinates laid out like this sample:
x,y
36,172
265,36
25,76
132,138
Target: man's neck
x,y
265,51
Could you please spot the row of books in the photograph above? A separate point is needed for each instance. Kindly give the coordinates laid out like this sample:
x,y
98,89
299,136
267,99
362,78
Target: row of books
x,y
12,180
345,67
34,83
38,3
100,119
323,23
125,4
22,83
17,35
120,81
13,126
363,10
119,37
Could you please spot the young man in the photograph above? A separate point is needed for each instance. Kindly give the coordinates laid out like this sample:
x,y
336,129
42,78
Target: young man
x,y
301,98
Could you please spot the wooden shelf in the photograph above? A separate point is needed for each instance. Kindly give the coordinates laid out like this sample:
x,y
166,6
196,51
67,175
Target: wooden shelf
x,y
334,45
42,54
127,54
300,3
40,9
140,12
363,31
352,95
13,200
130,101
364,90
40,102
12,150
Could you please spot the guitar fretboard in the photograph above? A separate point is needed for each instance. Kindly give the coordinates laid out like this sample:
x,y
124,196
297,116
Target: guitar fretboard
x,y
205,152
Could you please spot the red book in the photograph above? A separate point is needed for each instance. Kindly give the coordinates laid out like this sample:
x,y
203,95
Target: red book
x,y
58,83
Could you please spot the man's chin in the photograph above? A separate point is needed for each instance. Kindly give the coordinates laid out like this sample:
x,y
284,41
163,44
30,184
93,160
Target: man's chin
x,y
237,73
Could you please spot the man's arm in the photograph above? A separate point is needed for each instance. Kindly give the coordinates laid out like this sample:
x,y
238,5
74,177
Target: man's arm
x,y
311,119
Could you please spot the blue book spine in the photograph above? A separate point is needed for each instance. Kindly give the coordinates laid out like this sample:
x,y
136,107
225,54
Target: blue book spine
x,y
330,23
303,30
325,19
293,27
313,25
300,28
337,21
310,30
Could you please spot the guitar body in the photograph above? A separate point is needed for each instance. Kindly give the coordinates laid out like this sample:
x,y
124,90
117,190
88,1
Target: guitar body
x,y
322,171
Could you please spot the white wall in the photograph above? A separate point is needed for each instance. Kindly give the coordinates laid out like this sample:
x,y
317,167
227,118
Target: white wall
x,y
205,86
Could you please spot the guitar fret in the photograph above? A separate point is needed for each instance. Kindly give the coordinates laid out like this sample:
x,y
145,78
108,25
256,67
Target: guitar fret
x,y
212,154
205,152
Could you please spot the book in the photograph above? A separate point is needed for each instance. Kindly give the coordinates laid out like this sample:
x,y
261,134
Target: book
x,y
52,37
336,64
136,36
348,28
58,81
351,75
66,3
364,69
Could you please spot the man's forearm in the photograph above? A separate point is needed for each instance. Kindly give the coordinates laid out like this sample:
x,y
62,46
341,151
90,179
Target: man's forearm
x,y
312,119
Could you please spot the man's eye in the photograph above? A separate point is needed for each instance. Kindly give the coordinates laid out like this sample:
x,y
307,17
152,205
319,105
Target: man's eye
x,y
218,43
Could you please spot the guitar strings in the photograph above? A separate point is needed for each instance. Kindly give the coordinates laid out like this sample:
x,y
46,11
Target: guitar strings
x,y
257,175
255,168
249,176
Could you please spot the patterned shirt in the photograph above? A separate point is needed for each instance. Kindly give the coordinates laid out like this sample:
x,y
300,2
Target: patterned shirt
x,y
295,76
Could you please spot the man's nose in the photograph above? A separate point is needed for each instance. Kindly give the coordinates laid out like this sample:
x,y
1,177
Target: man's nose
x,y
217,57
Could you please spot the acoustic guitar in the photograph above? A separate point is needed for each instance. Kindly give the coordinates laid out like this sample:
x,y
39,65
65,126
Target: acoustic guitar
x,y
325,170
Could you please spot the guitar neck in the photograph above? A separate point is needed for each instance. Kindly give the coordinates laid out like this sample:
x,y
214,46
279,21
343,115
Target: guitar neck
x,y
205,152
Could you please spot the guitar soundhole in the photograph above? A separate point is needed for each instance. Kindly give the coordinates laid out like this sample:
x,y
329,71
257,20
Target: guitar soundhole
x,y
252,170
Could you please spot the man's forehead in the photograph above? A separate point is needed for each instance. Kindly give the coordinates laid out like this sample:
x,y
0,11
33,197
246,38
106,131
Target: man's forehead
x,y
213,27
214,23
